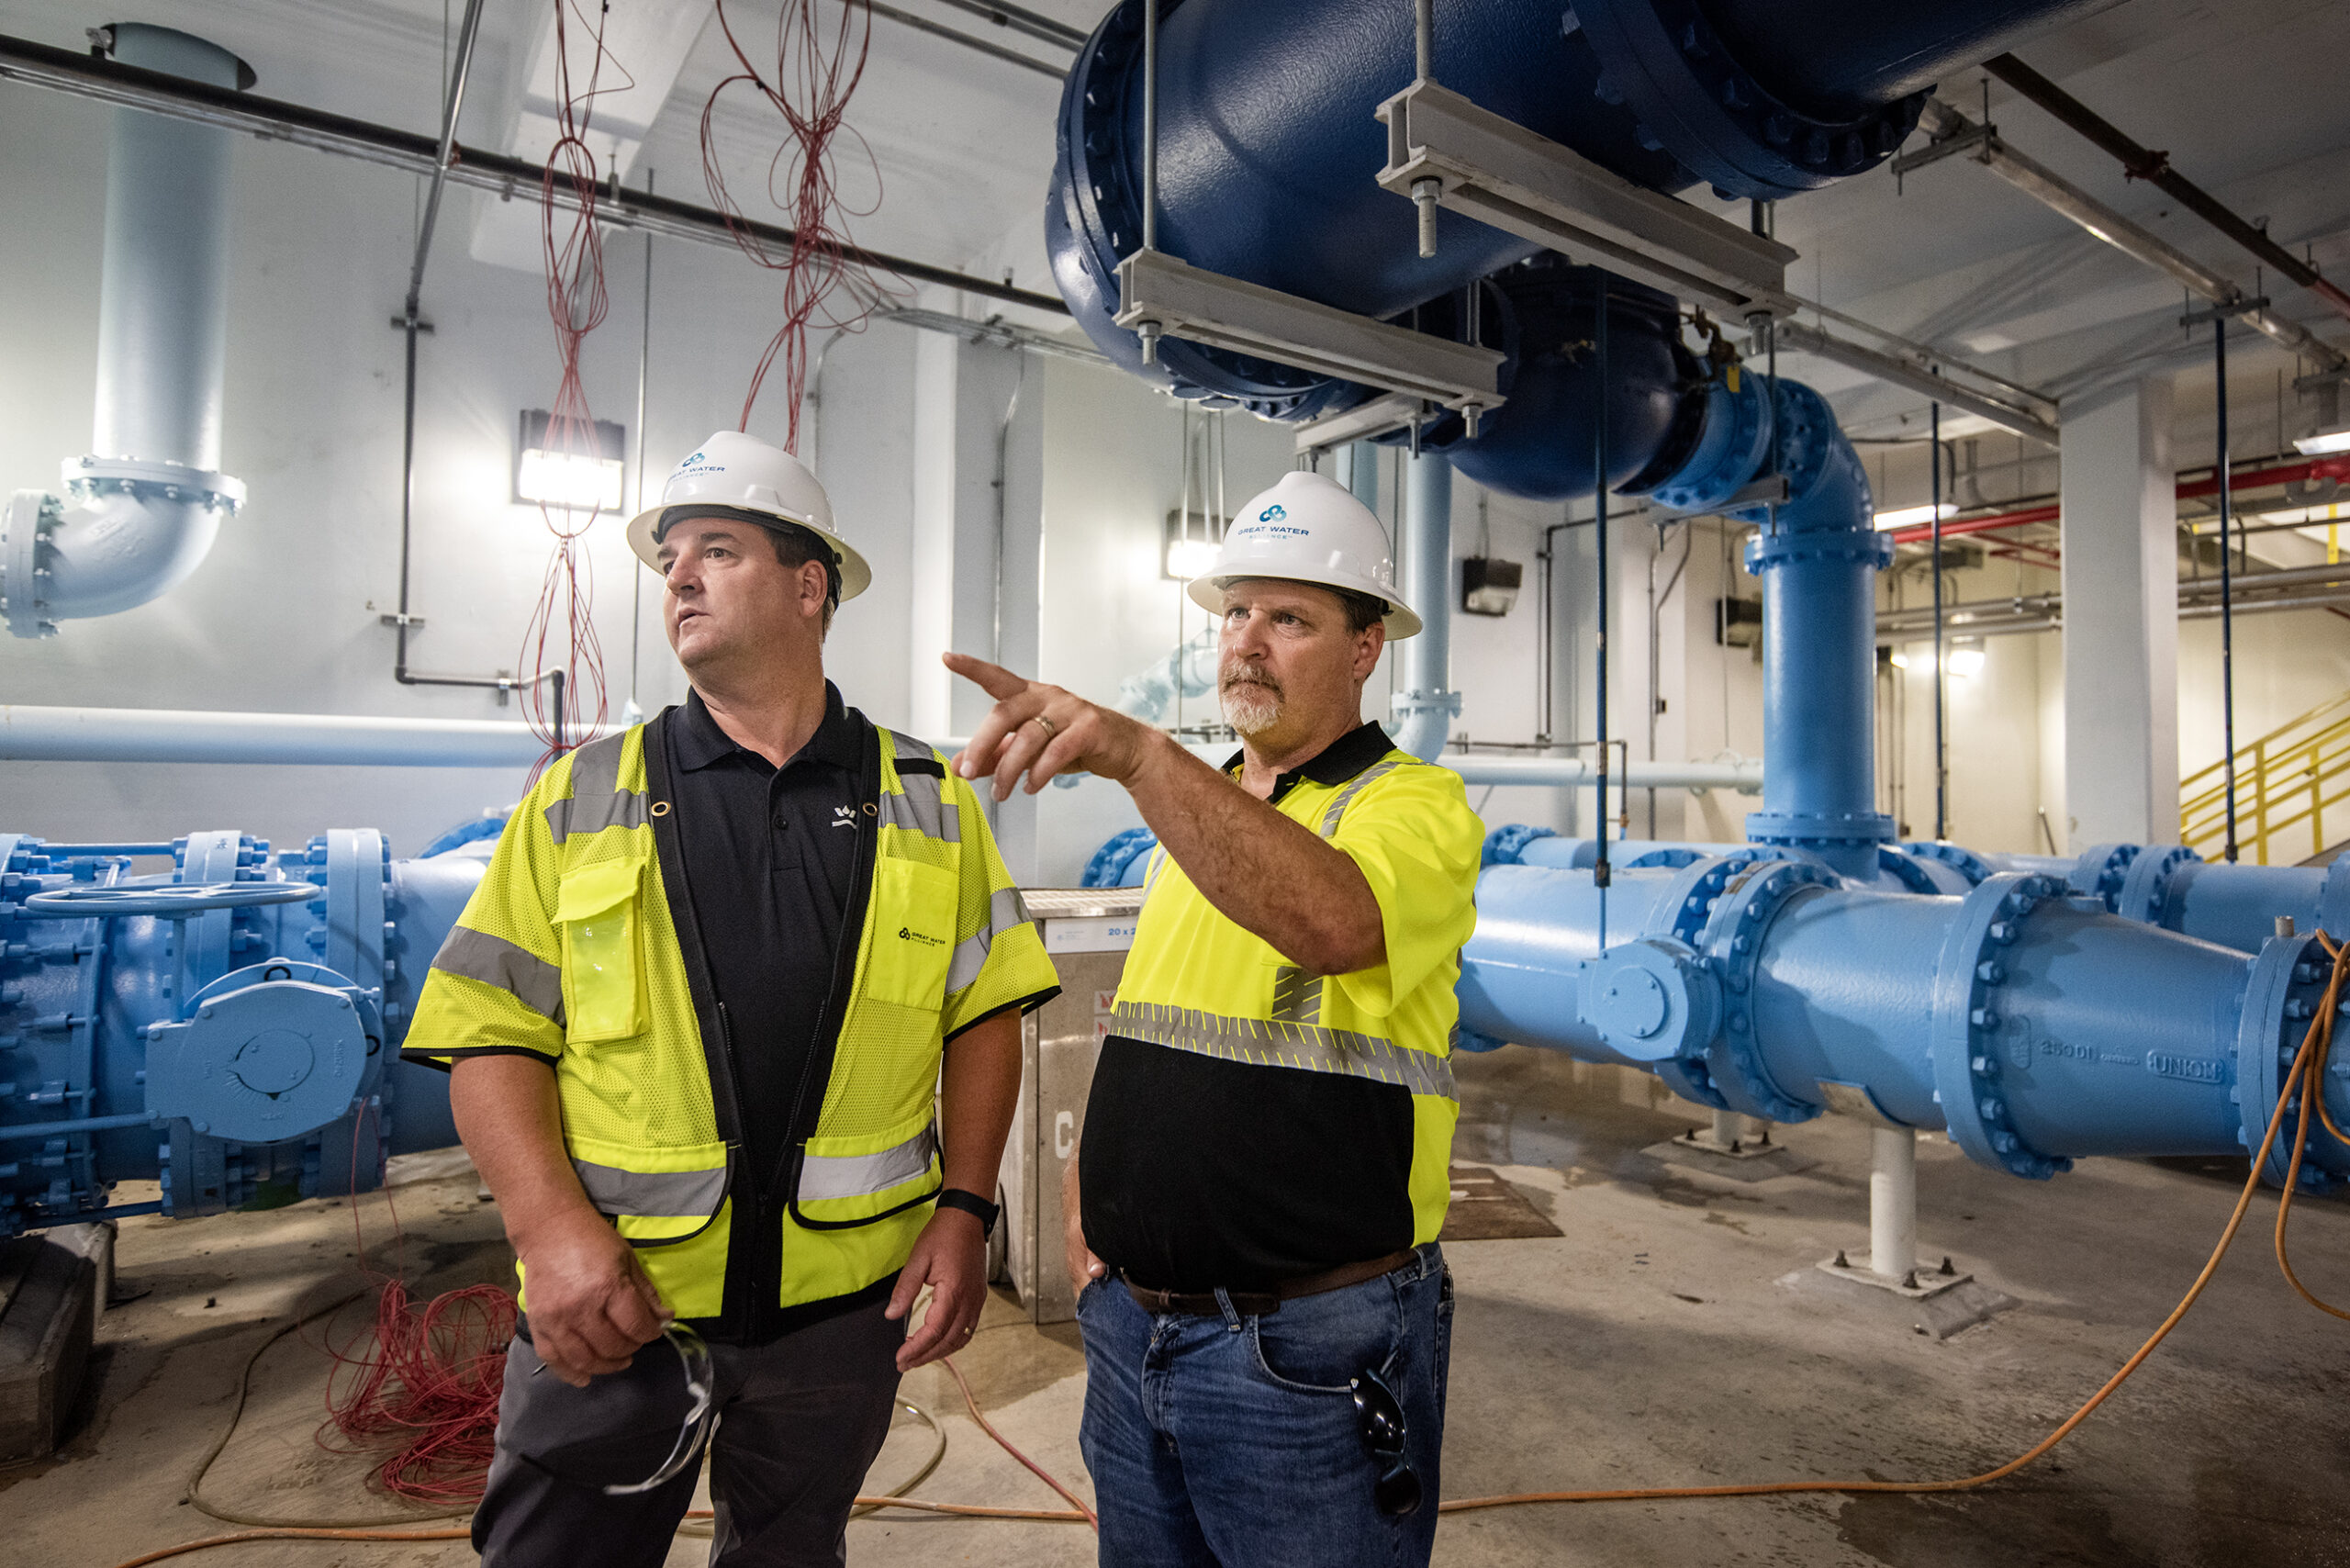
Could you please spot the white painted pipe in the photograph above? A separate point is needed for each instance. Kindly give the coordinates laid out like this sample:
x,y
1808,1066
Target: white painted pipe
x,y
1744,776
1730,1128
141,511
157,735
1424,702
1893,1201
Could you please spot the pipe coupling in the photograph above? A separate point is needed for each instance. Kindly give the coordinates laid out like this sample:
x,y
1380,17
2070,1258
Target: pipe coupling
x,y
1968,1017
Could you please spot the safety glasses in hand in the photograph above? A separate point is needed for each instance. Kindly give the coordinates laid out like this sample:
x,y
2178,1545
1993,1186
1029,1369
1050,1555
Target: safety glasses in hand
x,y
702,1412
608,1435
1397,1490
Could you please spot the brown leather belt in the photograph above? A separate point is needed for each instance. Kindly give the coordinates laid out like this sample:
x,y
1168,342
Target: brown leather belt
x,y
1257,1304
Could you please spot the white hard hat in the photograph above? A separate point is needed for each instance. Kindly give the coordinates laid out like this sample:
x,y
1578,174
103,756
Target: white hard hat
x,y
733,472
1308,529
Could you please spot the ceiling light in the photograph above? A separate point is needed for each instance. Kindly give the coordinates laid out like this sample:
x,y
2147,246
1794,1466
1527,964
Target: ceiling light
x,y
1489,585
2324,443
1901,659
1189,558
1966,659
1908,515
576,464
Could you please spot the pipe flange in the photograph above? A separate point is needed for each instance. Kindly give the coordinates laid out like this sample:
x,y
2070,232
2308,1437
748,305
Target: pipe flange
x,y
2333,899
33,515
1105,198
1965,862
1915,875
2100,871
1754,896
1731,448
1680,916
1664,60
2283,993
1871,547
2145,892
1819,829
1689,899
1966,1022
1506,845
88,478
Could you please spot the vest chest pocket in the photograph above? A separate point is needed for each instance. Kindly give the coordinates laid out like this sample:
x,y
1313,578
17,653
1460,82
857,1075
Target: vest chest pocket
x,y
602,987
913,933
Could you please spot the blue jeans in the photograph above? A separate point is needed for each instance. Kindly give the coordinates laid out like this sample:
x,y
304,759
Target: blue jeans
x,y
1231,1440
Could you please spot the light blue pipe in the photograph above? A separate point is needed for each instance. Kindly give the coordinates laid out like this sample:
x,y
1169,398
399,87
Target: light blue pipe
x,y
2024,1018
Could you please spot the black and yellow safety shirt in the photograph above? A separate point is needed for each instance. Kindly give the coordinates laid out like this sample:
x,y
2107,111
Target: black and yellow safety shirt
x,y
1251,1123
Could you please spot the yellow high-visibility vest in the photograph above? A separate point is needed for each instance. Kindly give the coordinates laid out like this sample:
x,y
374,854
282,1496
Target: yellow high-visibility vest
x,y
1197,981
568,951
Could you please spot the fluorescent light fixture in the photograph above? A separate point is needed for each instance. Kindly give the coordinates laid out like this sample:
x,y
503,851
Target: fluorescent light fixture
x,y
1189,558
1901,659
1909,515
1489,585
576,466
1966,659
2324,443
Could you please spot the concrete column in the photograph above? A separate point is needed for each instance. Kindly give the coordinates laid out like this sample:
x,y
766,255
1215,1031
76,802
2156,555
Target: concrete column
x,y
2120,520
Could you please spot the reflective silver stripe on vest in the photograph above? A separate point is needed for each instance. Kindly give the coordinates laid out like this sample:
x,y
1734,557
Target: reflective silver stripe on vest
x,y
1005,912
922,810
495,961
597,800
653,1193
1297,996
922,806
862,1175
1264,1043
1355,786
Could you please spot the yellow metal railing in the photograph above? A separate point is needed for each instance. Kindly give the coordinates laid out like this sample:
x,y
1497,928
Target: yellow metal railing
x,y
2289,782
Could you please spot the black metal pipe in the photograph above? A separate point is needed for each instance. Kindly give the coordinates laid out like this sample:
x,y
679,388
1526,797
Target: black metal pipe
x,y
2227,584
2140,163
1599,872
111,81
1941,740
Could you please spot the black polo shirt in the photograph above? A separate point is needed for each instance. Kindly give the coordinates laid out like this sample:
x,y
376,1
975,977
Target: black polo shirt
x,y
770,858
1197,1171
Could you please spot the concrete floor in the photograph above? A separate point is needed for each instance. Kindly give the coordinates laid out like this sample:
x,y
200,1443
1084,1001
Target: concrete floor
x,y
1675,1333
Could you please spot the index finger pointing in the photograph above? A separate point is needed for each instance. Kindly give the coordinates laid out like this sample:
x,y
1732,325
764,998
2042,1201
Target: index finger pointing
x,y
994,680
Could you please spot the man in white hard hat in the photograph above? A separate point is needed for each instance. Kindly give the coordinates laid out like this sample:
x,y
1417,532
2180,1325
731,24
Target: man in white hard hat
x,y
697,1015
1252,1214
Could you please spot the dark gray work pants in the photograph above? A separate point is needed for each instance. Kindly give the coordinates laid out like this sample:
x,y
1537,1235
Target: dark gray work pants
x,y
799,1422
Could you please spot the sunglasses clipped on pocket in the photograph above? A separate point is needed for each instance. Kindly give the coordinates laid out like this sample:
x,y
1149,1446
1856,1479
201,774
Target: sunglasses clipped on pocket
x,y
1397,1490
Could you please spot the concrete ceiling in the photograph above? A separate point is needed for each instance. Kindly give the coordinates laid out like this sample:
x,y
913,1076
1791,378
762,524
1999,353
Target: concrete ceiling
x,y
953,149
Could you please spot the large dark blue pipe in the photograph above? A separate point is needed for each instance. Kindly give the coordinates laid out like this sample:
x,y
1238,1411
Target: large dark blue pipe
x,y
1268,146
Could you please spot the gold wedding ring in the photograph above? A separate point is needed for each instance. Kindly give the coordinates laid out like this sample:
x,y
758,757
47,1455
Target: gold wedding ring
x,y
1050,728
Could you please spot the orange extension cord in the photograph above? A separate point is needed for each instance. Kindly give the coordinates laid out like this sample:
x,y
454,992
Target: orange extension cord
x,y
2308,1065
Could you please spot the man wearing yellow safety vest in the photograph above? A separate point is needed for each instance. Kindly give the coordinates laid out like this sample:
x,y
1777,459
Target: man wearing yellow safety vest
x,y
1254,1205
695,1015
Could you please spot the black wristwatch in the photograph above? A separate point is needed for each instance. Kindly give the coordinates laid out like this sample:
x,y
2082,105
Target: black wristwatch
x,y
970,1204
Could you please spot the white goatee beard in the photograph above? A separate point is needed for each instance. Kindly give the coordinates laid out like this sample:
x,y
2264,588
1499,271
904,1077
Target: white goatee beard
x,y
1251,706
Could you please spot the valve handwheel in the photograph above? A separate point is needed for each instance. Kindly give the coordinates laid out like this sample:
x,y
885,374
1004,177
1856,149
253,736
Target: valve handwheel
x,y
172,901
